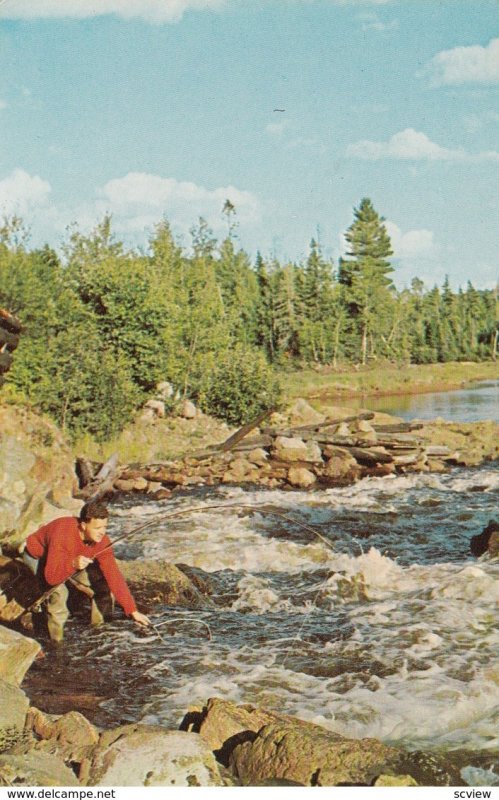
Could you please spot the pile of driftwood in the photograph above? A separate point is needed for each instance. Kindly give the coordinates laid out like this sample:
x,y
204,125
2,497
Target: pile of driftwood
x,y
10,328
330,453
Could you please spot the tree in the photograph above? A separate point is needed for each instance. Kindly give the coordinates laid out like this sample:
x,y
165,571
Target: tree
x,y
364,276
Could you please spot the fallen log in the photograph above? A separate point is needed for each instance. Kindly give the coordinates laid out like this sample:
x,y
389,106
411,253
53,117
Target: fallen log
x,y
296,431
236,437
399,427
370,457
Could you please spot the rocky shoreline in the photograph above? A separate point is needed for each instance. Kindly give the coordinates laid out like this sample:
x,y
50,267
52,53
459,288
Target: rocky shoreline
x,y
218,744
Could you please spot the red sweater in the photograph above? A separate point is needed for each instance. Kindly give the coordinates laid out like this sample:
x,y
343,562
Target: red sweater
x,y
61,542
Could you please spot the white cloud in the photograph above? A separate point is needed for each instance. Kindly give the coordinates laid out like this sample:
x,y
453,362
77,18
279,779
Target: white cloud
x,y
21,193
156,11
475,64
413,145
412,244
139,200
3,105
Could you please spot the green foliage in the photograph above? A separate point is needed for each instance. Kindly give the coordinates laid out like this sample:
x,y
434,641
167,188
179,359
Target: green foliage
x,y
239,386
104,324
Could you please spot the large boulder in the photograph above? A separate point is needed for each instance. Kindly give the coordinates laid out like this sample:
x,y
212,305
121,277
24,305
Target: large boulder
x,y
37,477
35,769
161,581
71,737
13,711
142,755
17,653
294,449
223,723
303,752
301,413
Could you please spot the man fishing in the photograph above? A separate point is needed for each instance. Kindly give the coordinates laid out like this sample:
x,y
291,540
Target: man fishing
x,y
69,545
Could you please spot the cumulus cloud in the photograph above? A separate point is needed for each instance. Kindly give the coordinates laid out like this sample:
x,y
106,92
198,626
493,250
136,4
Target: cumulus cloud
x,y
475,64
412,145
412,244
21,193
138,201
155,11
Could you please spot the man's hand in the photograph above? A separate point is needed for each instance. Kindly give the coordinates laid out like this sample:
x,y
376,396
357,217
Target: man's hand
x,y
141,618
81,562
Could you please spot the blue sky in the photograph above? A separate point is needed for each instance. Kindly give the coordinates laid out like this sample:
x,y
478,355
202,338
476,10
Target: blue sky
x,y
293,109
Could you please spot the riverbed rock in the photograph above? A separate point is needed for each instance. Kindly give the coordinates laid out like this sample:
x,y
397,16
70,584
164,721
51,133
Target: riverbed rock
x,y
301,478
223,724
303,752
301,413
142,755
13,711
17,653
162,582
37,477
35,769
71,737
294,449
340,466
157,407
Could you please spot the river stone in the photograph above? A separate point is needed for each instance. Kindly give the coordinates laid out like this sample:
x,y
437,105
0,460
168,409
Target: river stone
x,y
301,477
142,755
17,653
13,710
302,413
258,456
35,769
303,752
340,465
162,582
395,780
223,724
71,736
295,449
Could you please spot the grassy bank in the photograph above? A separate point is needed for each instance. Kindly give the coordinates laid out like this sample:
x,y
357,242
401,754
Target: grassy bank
x,y
385,379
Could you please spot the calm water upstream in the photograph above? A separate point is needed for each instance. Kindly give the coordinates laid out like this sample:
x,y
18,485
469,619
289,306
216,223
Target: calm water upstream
x,y
390,631
478,401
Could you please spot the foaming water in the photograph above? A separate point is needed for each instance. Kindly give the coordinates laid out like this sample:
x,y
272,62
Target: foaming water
x,y
383,626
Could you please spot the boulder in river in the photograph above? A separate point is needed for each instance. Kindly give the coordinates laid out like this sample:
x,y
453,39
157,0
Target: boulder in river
x,y
17,653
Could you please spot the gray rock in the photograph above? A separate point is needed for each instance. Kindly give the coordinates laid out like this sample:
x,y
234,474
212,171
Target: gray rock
x,y
17,653
35,769
294,449
141,755
13,710
303,752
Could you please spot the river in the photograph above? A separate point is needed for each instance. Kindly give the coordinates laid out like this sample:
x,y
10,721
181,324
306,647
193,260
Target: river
x,y
384,627
477,401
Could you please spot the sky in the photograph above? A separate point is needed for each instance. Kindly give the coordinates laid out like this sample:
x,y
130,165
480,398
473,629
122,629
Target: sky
x,y
294,110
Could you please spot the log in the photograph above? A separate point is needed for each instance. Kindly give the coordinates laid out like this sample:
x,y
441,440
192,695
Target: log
x,y
437,450
236,437
399,427
369,458
367,415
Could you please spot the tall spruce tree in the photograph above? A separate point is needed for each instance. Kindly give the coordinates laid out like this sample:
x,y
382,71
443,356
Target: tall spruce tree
x,y
365,277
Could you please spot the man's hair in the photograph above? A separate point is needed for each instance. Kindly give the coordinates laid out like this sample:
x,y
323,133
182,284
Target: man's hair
x,y
93,510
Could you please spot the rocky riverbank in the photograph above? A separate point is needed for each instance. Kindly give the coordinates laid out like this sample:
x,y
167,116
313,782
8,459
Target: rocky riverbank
x,y
218,744
305,449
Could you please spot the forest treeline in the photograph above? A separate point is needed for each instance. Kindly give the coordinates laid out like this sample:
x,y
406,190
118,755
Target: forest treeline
x,y
104,324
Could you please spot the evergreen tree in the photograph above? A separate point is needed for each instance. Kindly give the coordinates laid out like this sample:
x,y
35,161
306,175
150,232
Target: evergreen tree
x,y
364,276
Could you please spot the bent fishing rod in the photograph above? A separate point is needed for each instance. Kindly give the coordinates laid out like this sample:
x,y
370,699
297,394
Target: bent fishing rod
x,y
156,520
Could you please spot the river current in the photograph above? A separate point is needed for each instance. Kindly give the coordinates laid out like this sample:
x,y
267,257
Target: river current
x,y
383,626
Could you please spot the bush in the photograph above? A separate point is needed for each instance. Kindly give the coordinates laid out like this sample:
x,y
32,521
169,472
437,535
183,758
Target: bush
x,y
239,386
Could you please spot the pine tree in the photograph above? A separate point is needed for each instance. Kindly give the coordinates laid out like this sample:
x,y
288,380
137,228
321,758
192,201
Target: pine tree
x,y
364,276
